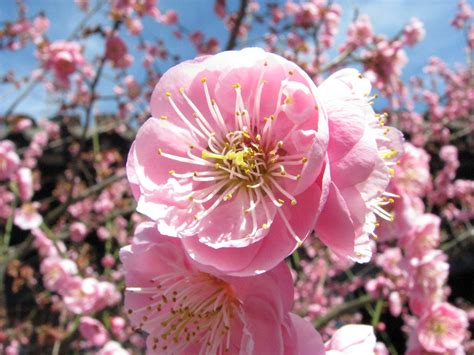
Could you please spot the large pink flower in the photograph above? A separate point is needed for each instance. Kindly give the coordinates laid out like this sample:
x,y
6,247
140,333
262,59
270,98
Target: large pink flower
x,y
233,159
185,309
362,153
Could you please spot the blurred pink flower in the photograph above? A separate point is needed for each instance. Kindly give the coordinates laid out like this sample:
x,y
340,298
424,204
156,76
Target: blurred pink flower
x,y
56,271
186,309
88,295
116,52
232,160
78,231
93,331
64,58
27,216
112,348
361,153
352,339
414,32
423,237
25,184
412,175
442,328
9,160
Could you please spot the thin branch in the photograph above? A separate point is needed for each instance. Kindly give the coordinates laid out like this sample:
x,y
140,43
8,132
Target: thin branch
x,y
342,309
231,43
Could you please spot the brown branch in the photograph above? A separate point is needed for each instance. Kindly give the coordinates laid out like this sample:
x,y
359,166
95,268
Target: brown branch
x,y
231,43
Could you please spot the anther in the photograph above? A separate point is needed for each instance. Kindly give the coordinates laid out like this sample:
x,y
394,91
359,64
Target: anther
x,y
168,94
203,79
171,172
164,118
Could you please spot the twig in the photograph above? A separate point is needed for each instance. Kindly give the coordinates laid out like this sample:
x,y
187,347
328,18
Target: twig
x,y
342,309
231,43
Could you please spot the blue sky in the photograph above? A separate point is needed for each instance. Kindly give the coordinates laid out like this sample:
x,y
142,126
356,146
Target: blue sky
x,y
388,17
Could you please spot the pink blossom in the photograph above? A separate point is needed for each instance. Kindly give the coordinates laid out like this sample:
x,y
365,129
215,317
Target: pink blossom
x,y
195,179
27,216
64,58
44,245
88,295
360,32
236,314
362,153
25,184
93,331
9,160
414,32
56,271
352,339
78,231
427,278
116,52
117,326
412,174
132,86
423,237
169,18
112,348
442,328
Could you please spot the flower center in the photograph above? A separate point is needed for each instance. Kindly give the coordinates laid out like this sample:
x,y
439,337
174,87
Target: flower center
x,y
243,157
185,309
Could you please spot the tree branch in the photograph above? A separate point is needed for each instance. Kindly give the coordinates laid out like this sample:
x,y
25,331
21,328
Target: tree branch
x,y
231,43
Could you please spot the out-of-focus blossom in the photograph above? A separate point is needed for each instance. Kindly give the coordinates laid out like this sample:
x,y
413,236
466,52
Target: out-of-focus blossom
x,y
27,216
442,328
93,331
116,52
56,272
352,339
9,160
112,348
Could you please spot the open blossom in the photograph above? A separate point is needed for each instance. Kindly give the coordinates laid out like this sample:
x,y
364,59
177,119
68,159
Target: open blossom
x,y
423,237
56,271
112,348
88,294
412,175
25,184
442,328
427,278
93,331
9,160
63,58
116,52
362,153
187,310
352,339
414,32
27,216
232,160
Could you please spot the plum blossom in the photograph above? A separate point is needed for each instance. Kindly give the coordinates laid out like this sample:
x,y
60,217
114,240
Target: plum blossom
x,y
9,160
93,331
190,308
63,58
233,159
56,271
87,295
116,52
27,216
442,328
25,184
362,152
112,348
352,339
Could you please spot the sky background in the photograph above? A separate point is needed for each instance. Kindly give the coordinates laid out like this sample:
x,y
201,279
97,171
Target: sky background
x,y
387,16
